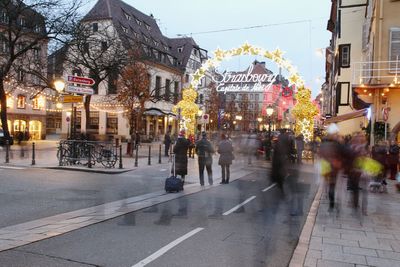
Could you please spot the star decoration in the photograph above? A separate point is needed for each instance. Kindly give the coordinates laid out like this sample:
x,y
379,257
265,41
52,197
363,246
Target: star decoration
x,y
219,54
246,48
277,53
197,76
268,54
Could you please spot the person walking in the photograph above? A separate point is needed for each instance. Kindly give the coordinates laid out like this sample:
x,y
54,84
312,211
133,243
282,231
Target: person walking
x,y
204,151
225,149
393,159
137,139
167,143
180,151
191,145
299,148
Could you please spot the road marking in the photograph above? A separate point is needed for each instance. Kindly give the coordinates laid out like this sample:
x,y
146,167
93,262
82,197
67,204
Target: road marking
x,y
269,187
12,168
238,206
165,249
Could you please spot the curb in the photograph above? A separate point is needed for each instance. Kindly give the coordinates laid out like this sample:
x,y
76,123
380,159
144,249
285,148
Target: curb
x,y
299,254
89,170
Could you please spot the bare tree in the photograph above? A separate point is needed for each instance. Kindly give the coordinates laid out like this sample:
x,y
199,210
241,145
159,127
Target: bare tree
x,y
25,28
100,55
213,105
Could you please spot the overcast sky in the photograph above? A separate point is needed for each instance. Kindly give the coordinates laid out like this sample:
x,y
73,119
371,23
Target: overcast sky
x,y
299,40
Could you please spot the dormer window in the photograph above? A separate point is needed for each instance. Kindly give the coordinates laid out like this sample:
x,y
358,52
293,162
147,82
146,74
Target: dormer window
x,y
4,17
180,49
37,28
155,42
148,27
135,34
127,16
146,38
95,27
124,29
22,22
166,47
138,22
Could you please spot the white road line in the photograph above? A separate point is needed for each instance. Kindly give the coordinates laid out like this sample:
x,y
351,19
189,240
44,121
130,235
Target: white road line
x,y
165,249
12,168
238,206
269,187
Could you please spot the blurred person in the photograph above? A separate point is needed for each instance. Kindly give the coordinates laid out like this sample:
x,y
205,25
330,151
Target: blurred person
x,y
379,153
204,151
225,149
280,160
167,143
137,139
331,156
299,148
180,150
393,159
191,145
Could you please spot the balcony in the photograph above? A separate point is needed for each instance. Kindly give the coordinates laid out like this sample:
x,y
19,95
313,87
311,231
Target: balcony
x,y
376,74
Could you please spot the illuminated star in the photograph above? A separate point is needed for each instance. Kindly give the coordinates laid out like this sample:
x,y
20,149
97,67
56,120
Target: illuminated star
x,y
268,54
219,54
277,53
246,48
197,76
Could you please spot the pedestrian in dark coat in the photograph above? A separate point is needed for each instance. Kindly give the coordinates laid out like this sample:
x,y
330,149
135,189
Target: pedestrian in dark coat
x,y
393,159
180,151
167,143
299,147
204,151
225,149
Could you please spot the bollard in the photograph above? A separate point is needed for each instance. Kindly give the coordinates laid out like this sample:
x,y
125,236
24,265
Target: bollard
x,y
149,161
33,154
120,157
159,155
89,148
136,156
7,151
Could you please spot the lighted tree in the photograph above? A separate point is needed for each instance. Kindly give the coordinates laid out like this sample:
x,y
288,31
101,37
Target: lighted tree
x,y
304,112
213,105
188,110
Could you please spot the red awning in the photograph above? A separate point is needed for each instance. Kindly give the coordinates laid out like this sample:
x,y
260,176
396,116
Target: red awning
x,y
347,116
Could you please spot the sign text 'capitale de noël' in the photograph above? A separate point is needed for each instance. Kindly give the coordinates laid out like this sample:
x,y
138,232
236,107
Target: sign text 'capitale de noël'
x,y
243,82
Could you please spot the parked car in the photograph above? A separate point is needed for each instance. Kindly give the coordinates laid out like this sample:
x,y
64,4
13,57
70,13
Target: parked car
x,y
3,139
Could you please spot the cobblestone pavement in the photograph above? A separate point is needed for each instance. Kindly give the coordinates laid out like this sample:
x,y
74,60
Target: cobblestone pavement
x,y
348,238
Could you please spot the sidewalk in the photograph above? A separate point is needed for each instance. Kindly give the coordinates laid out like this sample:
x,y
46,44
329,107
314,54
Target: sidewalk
x,y
348,238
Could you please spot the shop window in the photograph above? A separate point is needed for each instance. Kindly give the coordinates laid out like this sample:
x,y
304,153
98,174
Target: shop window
x,y
94,121
112,123
21,101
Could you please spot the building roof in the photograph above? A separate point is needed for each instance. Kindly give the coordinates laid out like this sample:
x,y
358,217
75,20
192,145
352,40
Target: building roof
x,y
131,24
187,44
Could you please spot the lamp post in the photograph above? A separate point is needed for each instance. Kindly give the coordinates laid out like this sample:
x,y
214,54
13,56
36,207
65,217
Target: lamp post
x,y
270,111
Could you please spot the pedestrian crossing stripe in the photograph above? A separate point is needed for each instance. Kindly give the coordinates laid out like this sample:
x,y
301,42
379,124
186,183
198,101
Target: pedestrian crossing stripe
x,y
12,168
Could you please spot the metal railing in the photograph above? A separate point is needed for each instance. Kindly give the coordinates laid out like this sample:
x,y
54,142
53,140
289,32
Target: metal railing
x,y
88,153
376,72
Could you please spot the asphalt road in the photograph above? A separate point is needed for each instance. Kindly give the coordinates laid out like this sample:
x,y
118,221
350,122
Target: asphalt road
x,y
203,229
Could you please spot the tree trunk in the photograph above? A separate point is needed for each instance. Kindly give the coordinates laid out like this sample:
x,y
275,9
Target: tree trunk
x,y
87,111
3,102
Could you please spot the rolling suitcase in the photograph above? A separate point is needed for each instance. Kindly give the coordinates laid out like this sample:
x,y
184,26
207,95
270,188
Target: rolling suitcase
x,y
173,183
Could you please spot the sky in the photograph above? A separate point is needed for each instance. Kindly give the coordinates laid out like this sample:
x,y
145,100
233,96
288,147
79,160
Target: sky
x,y
296,27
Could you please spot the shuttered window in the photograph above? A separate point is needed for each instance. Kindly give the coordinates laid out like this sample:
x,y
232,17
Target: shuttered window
x,y
394,49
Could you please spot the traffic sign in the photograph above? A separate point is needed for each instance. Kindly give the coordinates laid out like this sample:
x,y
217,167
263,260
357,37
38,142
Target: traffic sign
x,y
385,114
80,80
79,90
72,99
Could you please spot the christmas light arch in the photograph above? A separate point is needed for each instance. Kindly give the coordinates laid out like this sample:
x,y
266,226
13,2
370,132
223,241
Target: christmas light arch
x,y
188,109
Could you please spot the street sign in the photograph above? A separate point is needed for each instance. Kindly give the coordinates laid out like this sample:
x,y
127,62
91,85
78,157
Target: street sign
x,y
72,99
385,113
206,118
79,90
80,80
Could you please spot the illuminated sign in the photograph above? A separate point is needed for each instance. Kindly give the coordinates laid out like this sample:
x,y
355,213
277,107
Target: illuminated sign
x,y
243,82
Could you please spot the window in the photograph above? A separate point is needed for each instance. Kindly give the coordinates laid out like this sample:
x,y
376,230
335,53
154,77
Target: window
x,y
167,90
21,75
187,78
155,43
35,103
36,53
112,123
344,55
148,27
124,29
176,91
135,34
127,16
95,27
94,121
394,48
4,47
138,22
104,46
4,17
22,22
158,86
180,49
146,38
21,101
37,28
256,96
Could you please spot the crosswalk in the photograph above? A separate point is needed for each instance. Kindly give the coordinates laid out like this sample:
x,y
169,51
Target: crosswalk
x,y
12,168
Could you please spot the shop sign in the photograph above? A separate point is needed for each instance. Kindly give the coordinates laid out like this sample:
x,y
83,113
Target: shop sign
x,y
72,99
79,90
243,82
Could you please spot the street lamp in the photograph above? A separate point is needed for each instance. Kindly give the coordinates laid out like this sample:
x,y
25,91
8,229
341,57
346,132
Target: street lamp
x,y
270,111
59,85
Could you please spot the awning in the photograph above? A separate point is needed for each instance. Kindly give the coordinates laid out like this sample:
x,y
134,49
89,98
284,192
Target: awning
x,y
157,112
347,116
